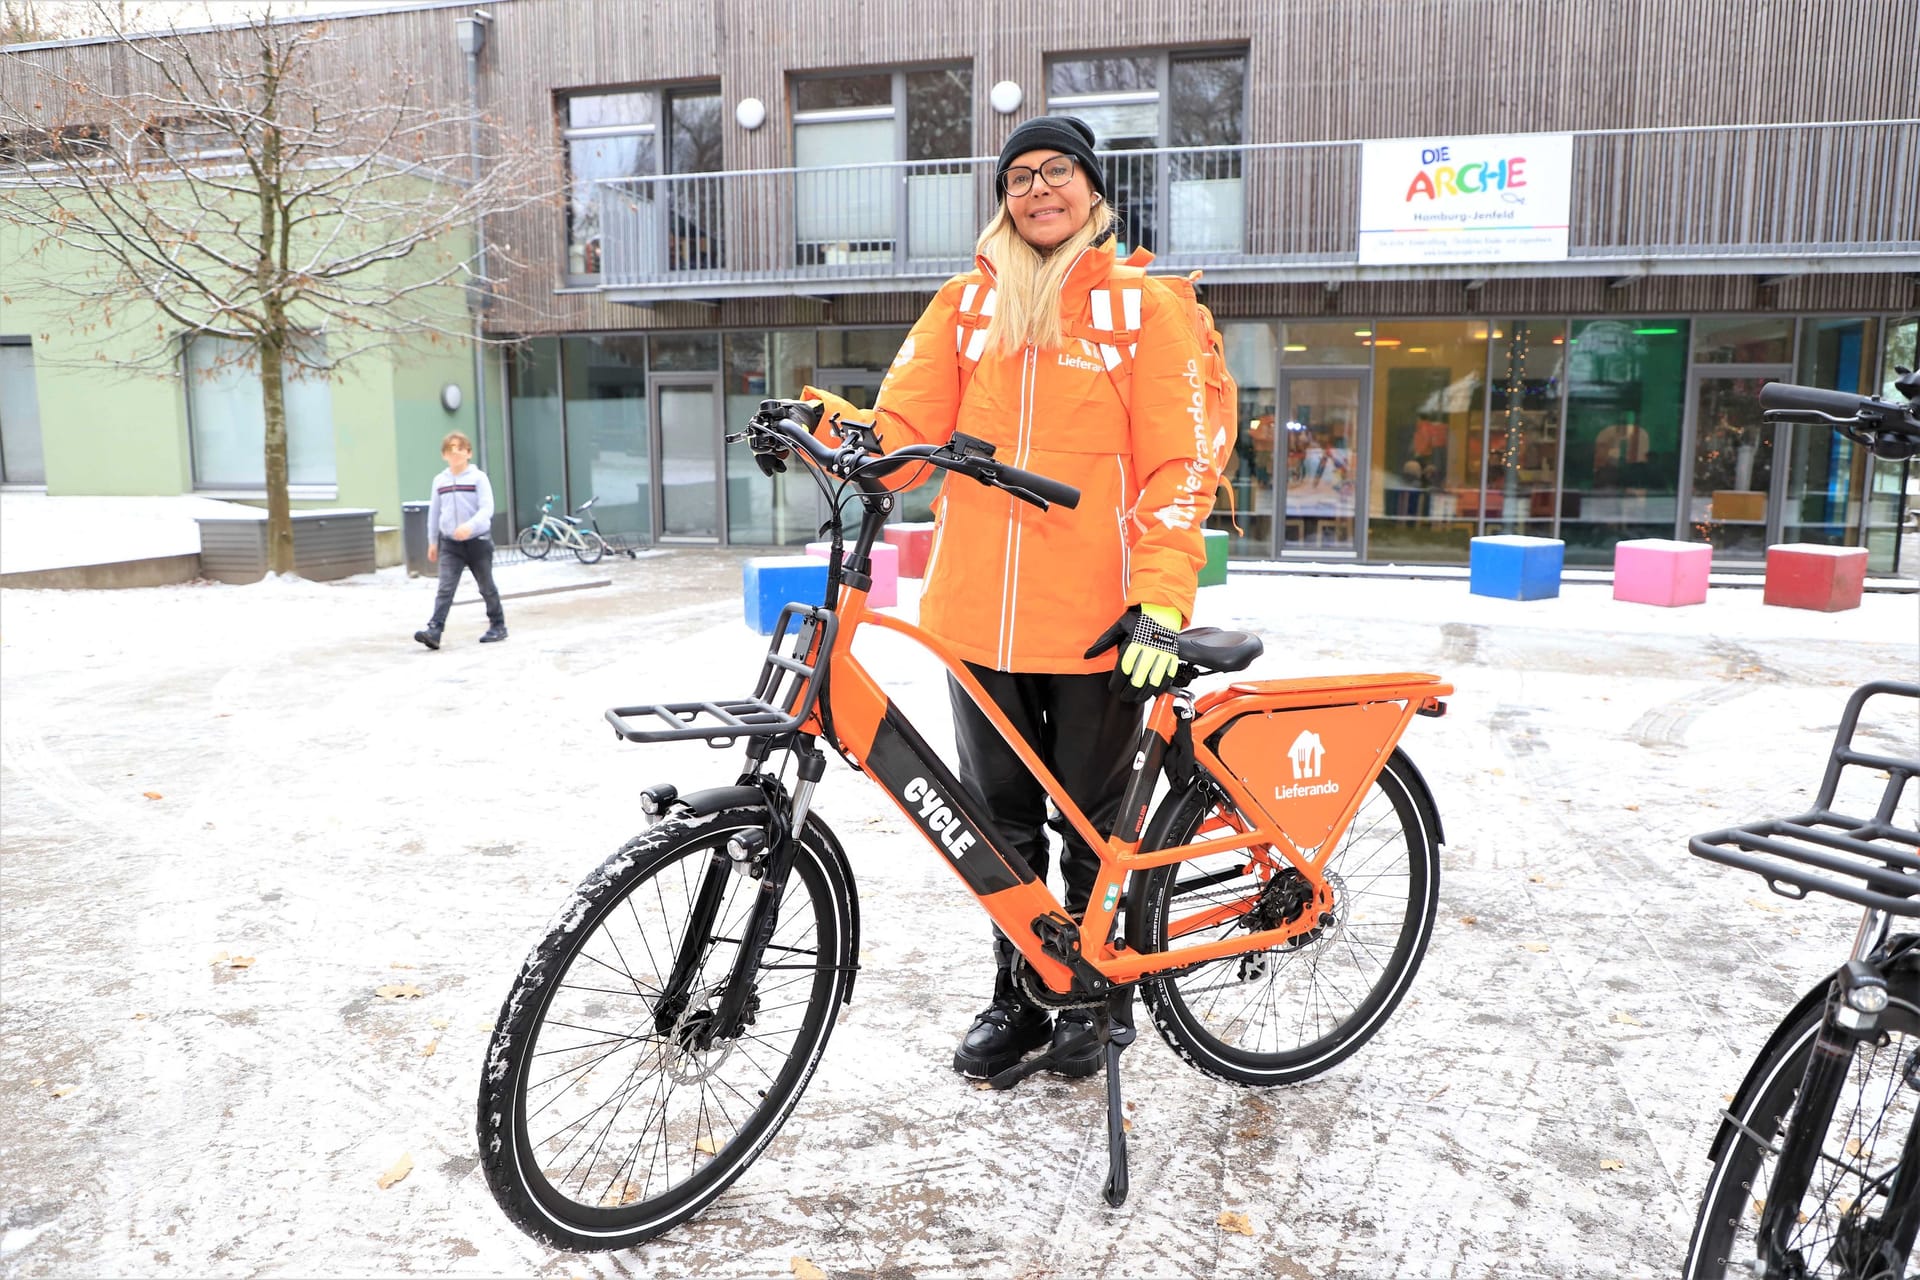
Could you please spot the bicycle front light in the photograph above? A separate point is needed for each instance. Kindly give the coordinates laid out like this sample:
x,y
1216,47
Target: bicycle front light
x,y
1869,999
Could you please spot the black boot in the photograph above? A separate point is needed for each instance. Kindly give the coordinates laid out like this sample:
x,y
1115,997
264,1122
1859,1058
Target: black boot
x,y
1007,1030
496,632
1087,1059
428,636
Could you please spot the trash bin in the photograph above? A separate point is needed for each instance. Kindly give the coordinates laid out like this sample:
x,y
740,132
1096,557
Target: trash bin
x,y
413,536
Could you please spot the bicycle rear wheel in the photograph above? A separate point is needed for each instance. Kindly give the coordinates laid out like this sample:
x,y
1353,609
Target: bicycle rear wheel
x,y
534,542
606,1117
1836,1231
592,547
1274,1017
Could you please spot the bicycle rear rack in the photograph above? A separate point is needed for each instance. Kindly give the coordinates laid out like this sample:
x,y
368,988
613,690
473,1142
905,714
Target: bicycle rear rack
x,y
781,701
1871,862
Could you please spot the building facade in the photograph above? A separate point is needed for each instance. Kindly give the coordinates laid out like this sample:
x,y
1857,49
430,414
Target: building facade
x,y
761,196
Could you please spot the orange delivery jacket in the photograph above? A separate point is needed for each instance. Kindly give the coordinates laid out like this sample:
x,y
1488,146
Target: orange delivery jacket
x,y
1015,588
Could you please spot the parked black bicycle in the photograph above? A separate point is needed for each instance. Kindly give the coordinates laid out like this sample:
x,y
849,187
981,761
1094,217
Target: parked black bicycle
x,y
1816,1165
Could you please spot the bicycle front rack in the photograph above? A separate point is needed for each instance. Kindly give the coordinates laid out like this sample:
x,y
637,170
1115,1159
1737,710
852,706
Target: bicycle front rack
x,y
781,701
1871,862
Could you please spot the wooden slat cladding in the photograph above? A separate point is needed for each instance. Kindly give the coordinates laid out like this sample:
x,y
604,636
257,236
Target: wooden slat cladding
x,y
1317,69
1652,295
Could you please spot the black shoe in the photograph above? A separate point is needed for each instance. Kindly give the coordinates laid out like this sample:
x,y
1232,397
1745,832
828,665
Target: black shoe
x,y
1081,1062
493,633
429,637
1006,1032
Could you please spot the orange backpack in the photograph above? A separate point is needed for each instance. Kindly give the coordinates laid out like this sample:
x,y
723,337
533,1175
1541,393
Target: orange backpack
x,y
1121,299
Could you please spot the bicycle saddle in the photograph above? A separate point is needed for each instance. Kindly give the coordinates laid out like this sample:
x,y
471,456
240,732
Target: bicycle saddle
x,y
588,503
1211,649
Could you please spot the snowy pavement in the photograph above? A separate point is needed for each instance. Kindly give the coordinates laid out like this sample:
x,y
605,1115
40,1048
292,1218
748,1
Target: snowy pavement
x,y
231,815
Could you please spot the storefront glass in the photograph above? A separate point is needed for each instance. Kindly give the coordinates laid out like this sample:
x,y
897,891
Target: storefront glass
x,y
1826,472
1429,407
1523,436
608,447
749,494
539,450
1895,486
1626,387
1250,349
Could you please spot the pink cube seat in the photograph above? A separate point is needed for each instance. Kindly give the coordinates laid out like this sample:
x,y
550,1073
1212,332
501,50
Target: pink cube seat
x,y
916,544
885,591
1807,575
1661,571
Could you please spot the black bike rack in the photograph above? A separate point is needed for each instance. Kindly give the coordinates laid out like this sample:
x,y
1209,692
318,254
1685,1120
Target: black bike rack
x,y
1871,862
780,703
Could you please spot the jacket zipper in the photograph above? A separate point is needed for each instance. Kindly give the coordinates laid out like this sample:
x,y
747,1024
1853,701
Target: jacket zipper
x,y
1010,582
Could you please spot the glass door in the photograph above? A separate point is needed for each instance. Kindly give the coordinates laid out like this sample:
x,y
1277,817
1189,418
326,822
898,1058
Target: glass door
x,y
1729,483
1315,448
688,497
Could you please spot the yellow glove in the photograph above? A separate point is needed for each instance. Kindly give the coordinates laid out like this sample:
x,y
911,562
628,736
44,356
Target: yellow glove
x,y
1150,659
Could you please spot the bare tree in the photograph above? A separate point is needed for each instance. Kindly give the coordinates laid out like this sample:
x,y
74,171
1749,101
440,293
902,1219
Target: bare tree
x,y
250,183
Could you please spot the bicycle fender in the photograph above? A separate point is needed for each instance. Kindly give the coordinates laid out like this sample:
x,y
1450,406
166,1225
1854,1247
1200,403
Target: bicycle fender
x,y
1421,793
1813,999
714,799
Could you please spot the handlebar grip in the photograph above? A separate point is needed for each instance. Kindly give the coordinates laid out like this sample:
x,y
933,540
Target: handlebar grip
x,y
1785,395
1052,490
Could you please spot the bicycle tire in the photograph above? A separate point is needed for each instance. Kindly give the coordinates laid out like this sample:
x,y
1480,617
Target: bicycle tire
x,y
591,547
1393,828
534,542
1842,1193
613,1203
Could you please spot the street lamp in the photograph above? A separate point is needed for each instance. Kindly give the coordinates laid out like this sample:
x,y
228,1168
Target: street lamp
x,y
473,33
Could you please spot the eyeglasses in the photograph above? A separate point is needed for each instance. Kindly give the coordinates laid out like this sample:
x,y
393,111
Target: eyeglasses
x,y
1057,172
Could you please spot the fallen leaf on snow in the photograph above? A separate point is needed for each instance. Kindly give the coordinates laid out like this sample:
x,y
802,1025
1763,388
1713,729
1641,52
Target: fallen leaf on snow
x,y
1853,1146
219,959
431,1046
803,1269
1764,906
707,1145
1230,1220
1469,919
983,1084
1537,879
1621,1015
1498,773
240,962
398,991
1613,1164
1126,1125
152,795
141,1017
37,1082
439,1024
63,1091
625,1193
401,1168
1535,946
1634,807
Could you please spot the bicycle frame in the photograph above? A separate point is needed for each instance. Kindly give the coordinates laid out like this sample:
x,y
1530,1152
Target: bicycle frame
x,y
1353,722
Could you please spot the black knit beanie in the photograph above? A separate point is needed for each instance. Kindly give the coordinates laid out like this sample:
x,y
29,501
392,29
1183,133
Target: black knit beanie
x,y
1067,135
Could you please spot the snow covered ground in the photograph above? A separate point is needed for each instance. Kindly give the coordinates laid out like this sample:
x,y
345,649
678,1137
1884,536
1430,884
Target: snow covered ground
x,y
197,776
38,532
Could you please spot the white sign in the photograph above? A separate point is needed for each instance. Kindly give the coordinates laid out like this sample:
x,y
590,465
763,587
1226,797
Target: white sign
x,y
1490,198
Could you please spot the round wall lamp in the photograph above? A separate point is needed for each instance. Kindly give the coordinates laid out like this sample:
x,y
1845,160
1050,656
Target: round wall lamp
x,y
450,397
750,113
1006,97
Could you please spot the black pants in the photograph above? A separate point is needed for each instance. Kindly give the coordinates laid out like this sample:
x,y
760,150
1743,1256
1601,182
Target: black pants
x,y
1083,733
475,555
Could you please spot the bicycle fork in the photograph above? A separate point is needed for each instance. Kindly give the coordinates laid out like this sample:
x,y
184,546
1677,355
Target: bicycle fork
x,y
768,855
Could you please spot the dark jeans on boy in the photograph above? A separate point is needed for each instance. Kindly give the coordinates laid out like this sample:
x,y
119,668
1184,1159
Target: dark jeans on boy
x,y
475,555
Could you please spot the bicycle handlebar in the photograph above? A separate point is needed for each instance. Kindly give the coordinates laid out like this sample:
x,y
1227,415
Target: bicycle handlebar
x,y
1888,429
855,458
1786,396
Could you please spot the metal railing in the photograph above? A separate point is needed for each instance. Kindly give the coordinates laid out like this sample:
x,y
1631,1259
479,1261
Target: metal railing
x,y
1745,194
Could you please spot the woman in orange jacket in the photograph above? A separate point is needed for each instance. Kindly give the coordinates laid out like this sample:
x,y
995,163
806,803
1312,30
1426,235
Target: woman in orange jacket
x,y
1018,353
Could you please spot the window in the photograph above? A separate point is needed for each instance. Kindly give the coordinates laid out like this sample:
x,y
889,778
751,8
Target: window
x,y
228,414
1626,394
901,200
21,461
640,134
1143,102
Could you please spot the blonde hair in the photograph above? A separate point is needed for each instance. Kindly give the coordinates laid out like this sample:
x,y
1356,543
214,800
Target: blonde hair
x,y
456,437
1028,282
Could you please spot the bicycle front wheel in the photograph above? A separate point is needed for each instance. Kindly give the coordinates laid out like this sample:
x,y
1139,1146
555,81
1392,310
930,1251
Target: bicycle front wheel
x,y
534,542
1274,1017
591,547
609,1112
1837,1231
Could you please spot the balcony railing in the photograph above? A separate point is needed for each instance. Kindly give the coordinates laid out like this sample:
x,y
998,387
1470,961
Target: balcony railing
x,y
1749,198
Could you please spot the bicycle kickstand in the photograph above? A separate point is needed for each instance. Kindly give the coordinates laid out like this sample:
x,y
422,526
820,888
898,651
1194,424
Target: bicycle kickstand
x,y
1113,1029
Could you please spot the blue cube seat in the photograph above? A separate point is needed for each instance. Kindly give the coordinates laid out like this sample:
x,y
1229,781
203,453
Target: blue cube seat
x,y
771,583
1512,567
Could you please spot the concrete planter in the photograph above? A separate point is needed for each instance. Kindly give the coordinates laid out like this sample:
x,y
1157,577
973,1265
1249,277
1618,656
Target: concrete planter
x,y
336,543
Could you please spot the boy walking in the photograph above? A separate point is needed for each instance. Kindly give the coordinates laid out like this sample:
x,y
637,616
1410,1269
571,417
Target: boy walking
x,y
460,529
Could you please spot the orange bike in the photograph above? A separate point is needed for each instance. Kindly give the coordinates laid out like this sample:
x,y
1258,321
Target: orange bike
x,y
1272,909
